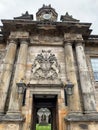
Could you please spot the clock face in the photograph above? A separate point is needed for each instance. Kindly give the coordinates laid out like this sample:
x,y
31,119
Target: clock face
x,y
47,16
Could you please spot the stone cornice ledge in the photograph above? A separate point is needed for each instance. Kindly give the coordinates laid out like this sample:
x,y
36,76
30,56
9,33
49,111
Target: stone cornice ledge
x,y
82,117
12,118
46,85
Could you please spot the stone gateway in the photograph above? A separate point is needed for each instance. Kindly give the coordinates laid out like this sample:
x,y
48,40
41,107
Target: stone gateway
x,y
48,73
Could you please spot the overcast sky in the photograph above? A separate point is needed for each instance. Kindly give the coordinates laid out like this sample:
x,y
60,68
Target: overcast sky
x,y
83,10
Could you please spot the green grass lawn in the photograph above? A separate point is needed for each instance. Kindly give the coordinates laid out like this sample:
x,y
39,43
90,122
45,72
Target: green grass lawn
x,y
39,127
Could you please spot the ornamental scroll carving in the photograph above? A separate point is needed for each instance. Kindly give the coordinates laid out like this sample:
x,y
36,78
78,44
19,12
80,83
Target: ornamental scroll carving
x,y
45,66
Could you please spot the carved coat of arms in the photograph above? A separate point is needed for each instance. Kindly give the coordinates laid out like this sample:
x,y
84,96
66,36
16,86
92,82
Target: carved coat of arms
x,y
45,66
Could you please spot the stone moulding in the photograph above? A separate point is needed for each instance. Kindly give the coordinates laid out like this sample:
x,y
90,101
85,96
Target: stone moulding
x,y
12,118
82,117
46,85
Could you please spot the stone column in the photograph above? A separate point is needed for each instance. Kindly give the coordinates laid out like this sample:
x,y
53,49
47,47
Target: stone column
x,y
6,74
85,80
39,119
47,118
14,106
74,99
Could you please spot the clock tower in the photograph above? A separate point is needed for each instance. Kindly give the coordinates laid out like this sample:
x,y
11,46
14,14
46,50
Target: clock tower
x,y
46,13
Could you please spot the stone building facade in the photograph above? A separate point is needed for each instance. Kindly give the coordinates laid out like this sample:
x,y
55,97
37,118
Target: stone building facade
x,y
48,65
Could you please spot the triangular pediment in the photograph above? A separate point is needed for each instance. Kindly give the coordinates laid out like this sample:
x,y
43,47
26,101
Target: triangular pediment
x,y
25,16
68,17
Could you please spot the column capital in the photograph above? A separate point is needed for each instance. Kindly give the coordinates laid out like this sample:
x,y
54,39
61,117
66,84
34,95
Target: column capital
x,y
79,43
73,38
24,40
12,40
68,42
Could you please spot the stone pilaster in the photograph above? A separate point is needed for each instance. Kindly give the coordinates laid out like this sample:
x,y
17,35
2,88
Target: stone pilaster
x,y
6,74
14,106
85,81
73,100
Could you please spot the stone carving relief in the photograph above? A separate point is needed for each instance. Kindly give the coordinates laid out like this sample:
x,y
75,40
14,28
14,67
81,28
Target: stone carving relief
x,y
45,66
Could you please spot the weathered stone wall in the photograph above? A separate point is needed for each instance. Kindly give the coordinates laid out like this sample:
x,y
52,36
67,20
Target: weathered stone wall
x,y
92,51
54,44
43,38
2,55
10,126
83,126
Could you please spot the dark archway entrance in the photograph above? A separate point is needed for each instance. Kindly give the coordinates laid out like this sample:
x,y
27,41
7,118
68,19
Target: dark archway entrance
x,y
45,112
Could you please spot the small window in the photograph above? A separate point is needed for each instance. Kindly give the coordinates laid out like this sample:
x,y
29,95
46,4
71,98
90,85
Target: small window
x,y
94,62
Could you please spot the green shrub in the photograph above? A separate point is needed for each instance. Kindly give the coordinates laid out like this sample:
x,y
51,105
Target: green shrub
x,y
43,127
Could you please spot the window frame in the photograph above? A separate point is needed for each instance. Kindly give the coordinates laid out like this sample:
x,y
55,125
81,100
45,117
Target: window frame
x,y
92,66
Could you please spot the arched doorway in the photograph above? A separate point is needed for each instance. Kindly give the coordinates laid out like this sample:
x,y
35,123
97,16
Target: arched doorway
x,y
45,113
43,119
